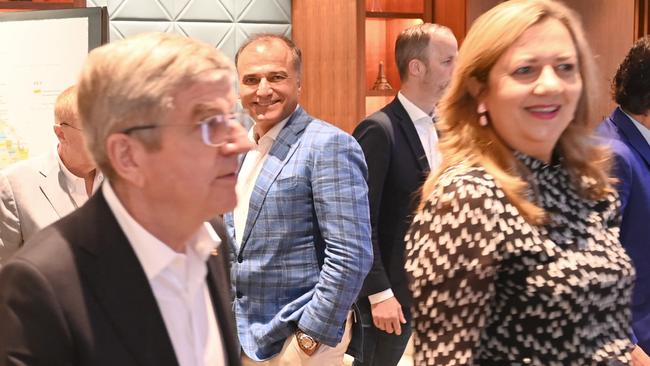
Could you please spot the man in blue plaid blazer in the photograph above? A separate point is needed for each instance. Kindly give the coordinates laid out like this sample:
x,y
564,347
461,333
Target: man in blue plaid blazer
x,y
301,229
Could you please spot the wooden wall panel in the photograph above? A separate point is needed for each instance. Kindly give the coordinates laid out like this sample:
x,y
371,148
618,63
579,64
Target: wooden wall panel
x,y
642,18
609,26
401,6
451,14
459,15
477,7
335,92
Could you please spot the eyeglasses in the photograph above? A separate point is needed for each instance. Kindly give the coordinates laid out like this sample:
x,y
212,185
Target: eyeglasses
x,y
69,125
215,130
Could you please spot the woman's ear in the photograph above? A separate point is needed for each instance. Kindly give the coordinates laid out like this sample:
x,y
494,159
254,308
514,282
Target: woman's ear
x,y
475,87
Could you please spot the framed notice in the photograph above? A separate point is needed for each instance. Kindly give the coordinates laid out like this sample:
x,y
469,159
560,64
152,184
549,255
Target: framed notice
x,y
41,55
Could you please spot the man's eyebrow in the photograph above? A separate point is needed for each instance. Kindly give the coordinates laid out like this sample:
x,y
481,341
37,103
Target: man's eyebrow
x,y
264,74
201,109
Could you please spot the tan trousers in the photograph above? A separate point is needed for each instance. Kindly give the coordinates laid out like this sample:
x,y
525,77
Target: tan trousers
x,y
292,355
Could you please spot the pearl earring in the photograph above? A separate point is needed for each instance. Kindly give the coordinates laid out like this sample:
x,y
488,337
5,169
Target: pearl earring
x,y
482,114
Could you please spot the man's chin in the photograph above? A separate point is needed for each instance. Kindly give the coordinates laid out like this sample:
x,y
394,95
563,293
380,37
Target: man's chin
x,y
266,118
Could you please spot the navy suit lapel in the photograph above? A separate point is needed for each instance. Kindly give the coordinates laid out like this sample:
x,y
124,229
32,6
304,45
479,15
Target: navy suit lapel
x,y
633,135
219,286
117,279
408,128
283,148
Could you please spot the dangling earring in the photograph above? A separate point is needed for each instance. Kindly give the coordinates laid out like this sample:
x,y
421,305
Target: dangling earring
x,y
482,114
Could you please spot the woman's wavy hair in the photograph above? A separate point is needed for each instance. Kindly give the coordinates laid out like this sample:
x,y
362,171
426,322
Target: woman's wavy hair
x,y
465,143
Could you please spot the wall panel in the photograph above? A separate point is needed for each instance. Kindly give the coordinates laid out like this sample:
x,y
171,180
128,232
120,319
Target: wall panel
x,y
224,23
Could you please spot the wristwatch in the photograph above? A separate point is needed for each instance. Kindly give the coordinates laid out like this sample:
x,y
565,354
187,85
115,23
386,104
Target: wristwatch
x,y
306,342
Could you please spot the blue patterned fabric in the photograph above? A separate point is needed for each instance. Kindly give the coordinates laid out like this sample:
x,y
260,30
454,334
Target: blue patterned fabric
x,y
308,209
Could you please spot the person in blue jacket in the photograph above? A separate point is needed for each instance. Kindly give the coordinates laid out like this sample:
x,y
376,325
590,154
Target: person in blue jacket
x,y
628,128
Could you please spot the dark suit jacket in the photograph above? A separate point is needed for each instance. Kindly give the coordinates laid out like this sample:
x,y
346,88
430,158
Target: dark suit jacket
x,y
397,168
76,294
632,169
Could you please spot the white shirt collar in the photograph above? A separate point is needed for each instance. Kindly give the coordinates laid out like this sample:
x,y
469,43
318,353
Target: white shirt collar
x,y
153,254
645,132
272,133
414,112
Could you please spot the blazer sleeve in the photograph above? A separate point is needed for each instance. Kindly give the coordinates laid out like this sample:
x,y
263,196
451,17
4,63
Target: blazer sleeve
x,y
375,143
340,197
33,327
622,171
10,232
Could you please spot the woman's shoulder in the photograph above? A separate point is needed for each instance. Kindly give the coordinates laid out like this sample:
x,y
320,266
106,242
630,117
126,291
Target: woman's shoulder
x,y
469,180
469,185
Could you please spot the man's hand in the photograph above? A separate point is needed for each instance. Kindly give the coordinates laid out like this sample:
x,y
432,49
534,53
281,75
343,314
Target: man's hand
x,y
639,357
388,316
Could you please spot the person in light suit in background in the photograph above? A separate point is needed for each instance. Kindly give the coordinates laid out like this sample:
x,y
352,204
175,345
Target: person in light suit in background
x,y
36,192
628,131
301,229
137,276
400,145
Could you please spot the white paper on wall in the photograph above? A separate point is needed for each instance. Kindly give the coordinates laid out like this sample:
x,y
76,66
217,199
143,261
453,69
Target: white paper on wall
x,y
38,60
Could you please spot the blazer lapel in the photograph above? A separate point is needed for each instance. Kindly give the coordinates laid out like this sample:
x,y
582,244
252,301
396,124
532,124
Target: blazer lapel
x,y
219,286
408,128
121,287
633,135
54,188
281,151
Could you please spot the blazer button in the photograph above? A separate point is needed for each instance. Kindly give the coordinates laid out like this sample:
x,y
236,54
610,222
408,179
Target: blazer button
x,y
239,294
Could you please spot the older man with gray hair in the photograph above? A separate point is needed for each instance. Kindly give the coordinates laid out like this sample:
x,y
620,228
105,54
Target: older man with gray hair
x,y
36,192
136,276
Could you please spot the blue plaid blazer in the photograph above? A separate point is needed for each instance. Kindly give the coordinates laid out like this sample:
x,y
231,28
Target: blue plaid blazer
x,y
306,246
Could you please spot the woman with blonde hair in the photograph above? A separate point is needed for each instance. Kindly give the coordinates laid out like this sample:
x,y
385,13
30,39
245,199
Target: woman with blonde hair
x,y
514,255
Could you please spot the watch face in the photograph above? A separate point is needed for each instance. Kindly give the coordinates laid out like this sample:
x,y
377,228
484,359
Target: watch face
x,y
306,341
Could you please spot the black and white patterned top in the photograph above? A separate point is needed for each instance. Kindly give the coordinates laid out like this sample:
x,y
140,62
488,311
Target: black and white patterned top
x,y
491,289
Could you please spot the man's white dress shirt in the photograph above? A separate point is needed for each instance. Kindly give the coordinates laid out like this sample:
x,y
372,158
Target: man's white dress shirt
x,y
178,281
250,170
426,130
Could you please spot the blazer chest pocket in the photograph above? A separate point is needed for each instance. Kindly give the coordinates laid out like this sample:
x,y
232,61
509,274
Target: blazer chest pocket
x,y
286,183
292,185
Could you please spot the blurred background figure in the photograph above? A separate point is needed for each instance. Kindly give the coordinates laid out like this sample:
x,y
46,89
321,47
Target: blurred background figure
x,y
514,254
39,191
400,144
628,128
